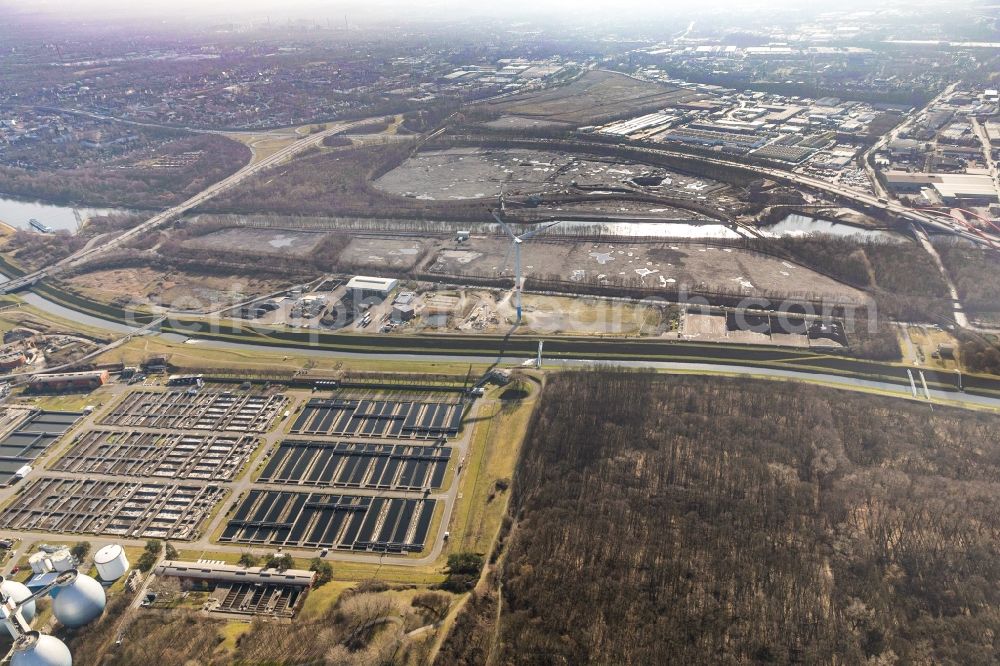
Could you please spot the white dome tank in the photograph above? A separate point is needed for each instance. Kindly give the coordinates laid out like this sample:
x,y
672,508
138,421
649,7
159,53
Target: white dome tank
x,y
111,562
80,602
36,649
18,592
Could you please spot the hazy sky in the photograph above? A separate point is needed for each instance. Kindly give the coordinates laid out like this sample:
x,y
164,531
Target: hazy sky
x,y
246,9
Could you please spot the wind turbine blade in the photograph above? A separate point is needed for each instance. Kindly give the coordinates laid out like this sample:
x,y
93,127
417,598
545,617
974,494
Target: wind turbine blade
x,y
506,227
535,232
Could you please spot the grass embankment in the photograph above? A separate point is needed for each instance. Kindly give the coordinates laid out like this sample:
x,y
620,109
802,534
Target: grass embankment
x,y
477,520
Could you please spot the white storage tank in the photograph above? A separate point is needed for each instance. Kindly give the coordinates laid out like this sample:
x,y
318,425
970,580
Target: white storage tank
x,y
40,562
62,560
111,562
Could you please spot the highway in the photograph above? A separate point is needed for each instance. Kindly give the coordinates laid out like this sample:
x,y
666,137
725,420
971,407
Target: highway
x,y
492,348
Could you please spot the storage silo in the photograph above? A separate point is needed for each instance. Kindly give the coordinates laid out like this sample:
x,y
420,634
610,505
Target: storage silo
x,y
40,562
111,562
62,560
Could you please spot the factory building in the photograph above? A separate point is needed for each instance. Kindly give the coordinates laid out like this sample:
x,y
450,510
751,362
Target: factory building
x,y
194,572
953,188
363,287
68,381
243,590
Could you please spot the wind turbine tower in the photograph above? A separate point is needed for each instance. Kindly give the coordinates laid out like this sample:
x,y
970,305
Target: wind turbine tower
x,y
516,242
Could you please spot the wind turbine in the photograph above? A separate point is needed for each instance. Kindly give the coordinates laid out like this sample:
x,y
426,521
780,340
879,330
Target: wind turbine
x,y
516,242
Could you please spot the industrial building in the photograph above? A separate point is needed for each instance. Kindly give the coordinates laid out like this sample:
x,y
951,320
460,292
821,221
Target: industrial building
x,y
12,360
231,573
401,313
951,187
68,381
243,590
364,287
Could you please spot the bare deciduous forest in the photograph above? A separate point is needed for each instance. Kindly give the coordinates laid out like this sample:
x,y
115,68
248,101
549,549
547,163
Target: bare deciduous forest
x,y
713,521
133,185
973,270
338,182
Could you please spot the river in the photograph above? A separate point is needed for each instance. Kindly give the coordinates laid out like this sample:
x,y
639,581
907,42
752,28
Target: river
x,y
17,212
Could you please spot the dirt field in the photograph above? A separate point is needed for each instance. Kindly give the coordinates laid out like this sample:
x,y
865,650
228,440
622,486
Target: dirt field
x,y
477,173
712,328
594,97
259,240
483,311
177,290
562,315
393,253
700,266
519,123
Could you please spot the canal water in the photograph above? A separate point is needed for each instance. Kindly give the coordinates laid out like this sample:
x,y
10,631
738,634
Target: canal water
x,y
802,225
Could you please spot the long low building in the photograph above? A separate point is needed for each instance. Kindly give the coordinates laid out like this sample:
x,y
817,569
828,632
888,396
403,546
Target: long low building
x,y
68,381
243,590
231,573
951,187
